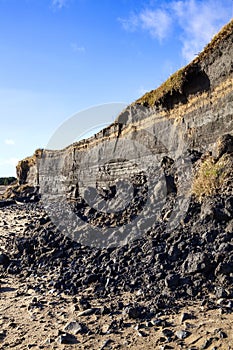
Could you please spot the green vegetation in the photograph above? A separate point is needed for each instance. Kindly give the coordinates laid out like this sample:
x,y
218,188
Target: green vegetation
x,y
211,176
5,181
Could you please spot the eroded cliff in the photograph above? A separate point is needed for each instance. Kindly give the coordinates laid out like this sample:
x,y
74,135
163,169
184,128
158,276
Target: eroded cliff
x,y
189,111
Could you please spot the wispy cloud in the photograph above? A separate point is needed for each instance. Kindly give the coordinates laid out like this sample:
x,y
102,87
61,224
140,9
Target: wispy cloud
x,y
76,48
196,21
9,142
199,21
156,22
131,23
59,4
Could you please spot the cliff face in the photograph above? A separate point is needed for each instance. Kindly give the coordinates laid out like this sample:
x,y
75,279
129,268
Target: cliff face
x,y
140,169
189,111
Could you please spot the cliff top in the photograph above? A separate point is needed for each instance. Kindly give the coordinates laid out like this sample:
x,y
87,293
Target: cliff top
x,y
176,81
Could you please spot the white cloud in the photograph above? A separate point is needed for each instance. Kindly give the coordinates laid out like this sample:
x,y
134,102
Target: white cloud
x,y
199,21
76,48
196,21
59,4
9,142
156,22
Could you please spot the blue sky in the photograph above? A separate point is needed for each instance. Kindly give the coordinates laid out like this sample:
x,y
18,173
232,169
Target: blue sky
x,y
58,57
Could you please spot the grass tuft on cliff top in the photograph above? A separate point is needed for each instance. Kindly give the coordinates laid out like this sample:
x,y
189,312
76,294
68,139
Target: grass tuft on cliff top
x,y
176,81
173,83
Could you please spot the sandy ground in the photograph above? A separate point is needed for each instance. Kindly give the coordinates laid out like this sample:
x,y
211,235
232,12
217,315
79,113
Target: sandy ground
x,y
29,320
25,325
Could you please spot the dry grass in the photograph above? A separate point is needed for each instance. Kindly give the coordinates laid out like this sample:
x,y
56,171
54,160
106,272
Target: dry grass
x,y
173,84
176,81
211,176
